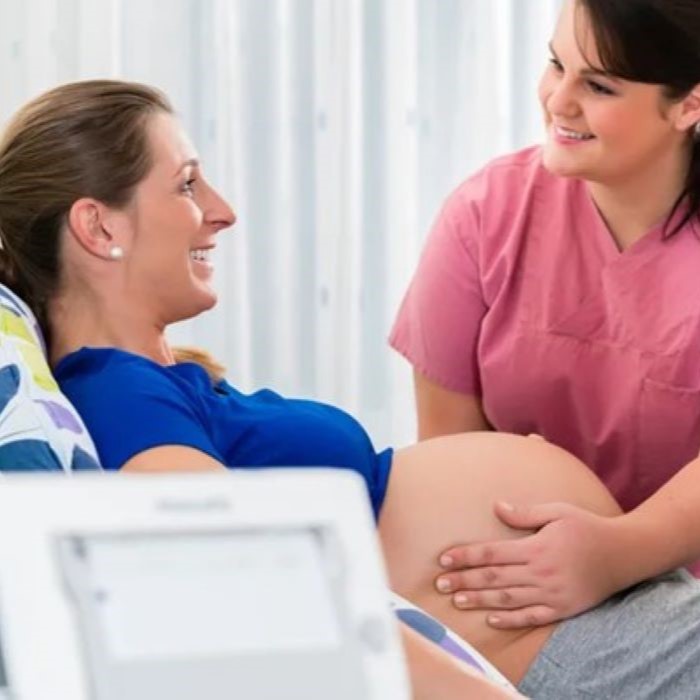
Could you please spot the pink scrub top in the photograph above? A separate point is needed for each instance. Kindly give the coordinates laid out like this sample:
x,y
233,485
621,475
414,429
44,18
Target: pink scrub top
x,y
522,298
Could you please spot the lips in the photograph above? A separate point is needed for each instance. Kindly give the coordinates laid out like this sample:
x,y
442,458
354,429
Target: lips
x,y
572,134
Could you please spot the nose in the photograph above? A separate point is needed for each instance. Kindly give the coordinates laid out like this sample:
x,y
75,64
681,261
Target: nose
x,y
560,98
219,214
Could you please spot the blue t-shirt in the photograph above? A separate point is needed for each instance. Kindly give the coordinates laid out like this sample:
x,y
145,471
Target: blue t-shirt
x,y
130,404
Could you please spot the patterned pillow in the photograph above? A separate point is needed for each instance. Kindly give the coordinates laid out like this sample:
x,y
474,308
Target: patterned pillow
x,y
39,429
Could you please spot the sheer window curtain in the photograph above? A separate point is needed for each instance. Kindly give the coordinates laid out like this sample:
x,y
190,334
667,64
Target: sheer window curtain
x,y
335,128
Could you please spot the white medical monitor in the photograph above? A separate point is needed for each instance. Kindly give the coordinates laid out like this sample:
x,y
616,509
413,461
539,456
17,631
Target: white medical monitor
x,y
261,584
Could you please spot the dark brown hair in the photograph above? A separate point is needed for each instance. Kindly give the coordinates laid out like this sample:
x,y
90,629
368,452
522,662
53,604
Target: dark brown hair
x,y
655,42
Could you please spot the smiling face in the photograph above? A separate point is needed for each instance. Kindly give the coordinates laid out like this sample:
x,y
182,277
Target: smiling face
x,y
173,220
601,128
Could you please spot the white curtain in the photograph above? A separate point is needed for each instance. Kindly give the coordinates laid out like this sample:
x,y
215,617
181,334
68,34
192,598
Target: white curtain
x,y
335,128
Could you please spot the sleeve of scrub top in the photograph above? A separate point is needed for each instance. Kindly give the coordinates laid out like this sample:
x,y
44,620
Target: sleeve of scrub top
x,y
437,327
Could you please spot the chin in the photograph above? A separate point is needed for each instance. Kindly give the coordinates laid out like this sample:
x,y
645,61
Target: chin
x,y
206,301
563,167
195,307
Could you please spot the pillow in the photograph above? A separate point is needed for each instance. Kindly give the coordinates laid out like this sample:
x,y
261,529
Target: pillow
x,y
39,428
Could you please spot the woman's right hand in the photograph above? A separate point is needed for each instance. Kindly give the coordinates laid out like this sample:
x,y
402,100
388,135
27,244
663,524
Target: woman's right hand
x,y
564,568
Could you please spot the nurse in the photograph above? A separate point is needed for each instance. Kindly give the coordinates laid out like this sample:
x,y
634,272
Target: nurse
x,y
559,294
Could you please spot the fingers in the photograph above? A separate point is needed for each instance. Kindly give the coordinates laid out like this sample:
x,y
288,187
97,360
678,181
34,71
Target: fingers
x,y
485,554
531,616
485,577
529,517
513,598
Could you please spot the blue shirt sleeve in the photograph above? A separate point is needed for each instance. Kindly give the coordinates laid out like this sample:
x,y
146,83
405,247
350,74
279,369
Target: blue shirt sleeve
x,y
131,404
130,407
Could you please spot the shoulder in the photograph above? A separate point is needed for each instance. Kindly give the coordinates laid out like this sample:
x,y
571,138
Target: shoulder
x,y
508,178
510,170
502,200
524,161
131,404
103,365
502,184
105,375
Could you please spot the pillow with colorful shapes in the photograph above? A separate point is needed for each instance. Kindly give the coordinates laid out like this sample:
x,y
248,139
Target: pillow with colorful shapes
x,y
39,429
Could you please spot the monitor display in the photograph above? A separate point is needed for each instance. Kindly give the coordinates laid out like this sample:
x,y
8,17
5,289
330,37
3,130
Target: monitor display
x,y
186,595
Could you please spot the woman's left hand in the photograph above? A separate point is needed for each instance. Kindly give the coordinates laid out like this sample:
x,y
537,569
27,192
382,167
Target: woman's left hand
x,y
564,568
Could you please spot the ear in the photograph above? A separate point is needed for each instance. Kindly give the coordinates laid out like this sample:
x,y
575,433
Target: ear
x,y
688,114
92,225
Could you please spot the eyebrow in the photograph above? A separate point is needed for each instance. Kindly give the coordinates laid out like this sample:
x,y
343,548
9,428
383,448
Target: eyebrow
x,y
589,72
191,162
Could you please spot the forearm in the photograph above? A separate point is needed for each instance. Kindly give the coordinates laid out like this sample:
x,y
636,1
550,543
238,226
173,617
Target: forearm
x,y
664,531
435,675
444,412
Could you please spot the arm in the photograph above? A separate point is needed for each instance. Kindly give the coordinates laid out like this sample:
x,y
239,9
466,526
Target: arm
x,y
576,558
438,325
668,523
444,412
141,417
172,458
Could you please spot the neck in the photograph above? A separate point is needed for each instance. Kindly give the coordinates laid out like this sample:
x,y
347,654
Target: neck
x,y
80,320
631,208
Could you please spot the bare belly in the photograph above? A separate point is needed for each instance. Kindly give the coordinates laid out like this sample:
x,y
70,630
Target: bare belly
x,y
441,493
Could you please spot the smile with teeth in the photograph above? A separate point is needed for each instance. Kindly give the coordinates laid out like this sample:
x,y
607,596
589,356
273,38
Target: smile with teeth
x,y
201,254
570,134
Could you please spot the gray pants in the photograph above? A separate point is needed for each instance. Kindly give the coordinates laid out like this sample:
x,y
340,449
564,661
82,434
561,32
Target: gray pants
x,y
642,643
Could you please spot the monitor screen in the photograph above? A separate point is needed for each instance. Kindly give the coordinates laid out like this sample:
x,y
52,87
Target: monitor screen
x,y
184,595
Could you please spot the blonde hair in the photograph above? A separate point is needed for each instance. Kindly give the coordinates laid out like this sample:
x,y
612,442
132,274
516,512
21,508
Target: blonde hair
x,y
213,368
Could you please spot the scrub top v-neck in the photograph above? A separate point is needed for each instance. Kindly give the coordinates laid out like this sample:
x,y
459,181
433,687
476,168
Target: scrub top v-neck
x,y
523,298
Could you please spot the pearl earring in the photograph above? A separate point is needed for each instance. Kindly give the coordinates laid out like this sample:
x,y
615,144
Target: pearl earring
x,y
697,130
116,252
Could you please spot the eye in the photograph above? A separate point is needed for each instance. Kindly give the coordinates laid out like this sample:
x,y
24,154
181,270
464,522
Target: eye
x,y
599,89
556,64
188,187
